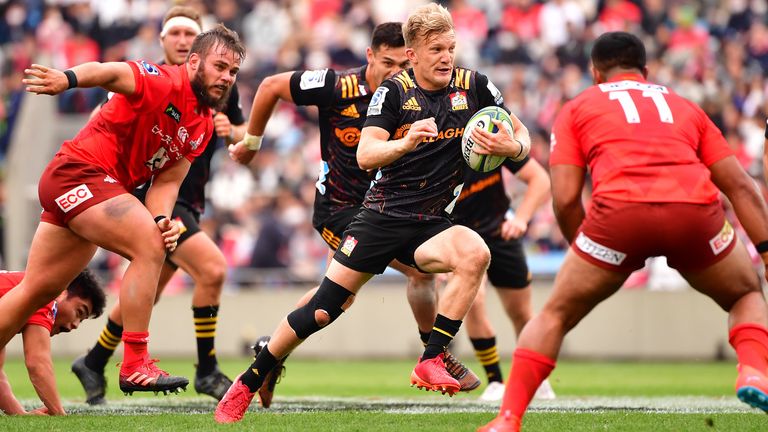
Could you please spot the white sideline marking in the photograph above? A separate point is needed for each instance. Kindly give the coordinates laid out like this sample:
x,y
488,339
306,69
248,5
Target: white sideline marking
x,y
200,405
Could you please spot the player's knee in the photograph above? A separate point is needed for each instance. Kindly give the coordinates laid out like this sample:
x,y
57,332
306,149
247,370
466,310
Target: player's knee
x,y
322,309
474,259
212,275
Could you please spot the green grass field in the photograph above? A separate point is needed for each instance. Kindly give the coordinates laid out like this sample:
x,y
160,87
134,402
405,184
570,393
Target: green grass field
x,y
376,396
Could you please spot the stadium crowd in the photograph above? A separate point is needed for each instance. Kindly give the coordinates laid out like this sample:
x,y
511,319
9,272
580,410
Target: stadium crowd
x,y
714,52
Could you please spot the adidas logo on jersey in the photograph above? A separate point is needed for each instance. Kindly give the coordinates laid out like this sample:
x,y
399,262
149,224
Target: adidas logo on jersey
x,y
350,111
411,104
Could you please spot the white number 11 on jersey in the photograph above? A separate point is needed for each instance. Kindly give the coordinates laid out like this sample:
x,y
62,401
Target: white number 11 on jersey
x,y
630,109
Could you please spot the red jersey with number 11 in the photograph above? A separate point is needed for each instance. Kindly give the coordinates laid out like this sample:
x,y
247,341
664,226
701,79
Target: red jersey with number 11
x,y
641,142
135,137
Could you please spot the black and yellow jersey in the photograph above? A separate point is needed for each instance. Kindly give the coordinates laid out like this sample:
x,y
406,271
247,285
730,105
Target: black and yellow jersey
x,y
425,183
342,99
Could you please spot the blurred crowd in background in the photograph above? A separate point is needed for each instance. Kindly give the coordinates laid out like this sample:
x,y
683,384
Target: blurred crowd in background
x,y
714,52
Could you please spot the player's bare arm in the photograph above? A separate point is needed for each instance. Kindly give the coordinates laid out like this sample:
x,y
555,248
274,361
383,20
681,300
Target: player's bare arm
x,y
567,184
161,197
537,193
743,193
116,77
8,402
375,150
271,90
37,358
517,145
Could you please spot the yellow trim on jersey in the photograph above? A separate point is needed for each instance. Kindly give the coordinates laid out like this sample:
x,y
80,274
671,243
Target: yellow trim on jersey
x,y
462,78
354,85
343,87
404,80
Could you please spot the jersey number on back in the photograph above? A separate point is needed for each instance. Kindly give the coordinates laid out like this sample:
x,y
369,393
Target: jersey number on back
x,y
630,109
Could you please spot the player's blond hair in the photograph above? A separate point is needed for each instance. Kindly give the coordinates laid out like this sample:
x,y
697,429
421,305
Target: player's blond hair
x,y
425,22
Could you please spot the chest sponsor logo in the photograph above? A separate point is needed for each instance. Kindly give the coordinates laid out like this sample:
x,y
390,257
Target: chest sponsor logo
x,y
723,239
459,101
350,111
182,135
412,104
109,179
377,101
312,79
598,251
349,245
74,198
445,134
150,68
173,112
350,136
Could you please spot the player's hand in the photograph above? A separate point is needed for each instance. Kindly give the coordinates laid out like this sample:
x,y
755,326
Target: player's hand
x,y
170,232
45,80
40,411
513,229
222,126
502,143
240,153
420,129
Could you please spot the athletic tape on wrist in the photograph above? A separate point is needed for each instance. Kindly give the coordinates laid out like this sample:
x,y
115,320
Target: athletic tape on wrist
x,y
253,142
71,79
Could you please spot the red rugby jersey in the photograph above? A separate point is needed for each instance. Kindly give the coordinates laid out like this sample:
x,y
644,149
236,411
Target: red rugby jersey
x,y
44,316
135,137
641,142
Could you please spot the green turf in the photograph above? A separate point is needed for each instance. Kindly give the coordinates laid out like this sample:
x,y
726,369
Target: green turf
x,y
375,396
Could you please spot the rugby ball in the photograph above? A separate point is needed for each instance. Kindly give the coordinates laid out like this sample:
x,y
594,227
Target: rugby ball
x,y
482,119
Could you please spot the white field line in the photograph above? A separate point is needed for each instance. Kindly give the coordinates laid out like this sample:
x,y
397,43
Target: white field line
x,y
193,405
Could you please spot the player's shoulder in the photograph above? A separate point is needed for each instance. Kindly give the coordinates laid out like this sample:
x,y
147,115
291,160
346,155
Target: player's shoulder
x,y
350,83
404,81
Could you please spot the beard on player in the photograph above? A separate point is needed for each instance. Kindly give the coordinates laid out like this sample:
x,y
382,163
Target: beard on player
x,y
203,91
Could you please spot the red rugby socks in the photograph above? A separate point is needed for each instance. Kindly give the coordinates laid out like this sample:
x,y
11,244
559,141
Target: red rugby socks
x,y
135,349
529,369
750,340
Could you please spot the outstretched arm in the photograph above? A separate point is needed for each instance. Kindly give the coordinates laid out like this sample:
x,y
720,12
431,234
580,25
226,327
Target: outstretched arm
x,y
37,357
114,76
270,91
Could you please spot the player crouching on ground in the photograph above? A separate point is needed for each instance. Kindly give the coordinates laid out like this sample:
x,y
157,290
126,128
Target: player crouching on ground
x,y
82,299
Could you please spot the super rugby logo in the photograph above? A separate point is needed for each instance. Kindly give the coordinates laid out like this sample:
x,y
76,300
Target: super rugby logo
x,y
173,112
150,68
721,241
74,198
598,251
